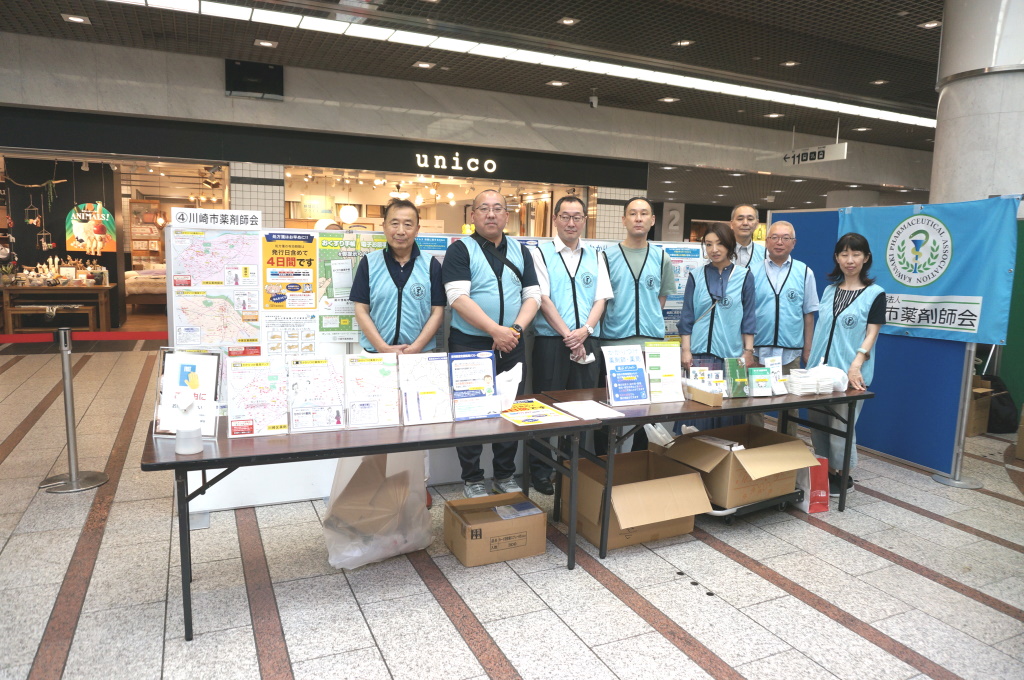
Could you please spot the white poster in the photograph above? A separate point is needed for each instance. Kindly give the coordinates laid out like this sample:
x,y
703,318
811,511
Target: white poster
x,y
426,395
316,393
664,371
257,397
371,390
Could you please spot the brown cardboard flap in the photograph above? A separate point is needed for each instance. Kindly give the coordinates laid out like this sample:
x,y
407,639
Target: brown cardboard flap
x,y
980,392
770,460
696,454
659,500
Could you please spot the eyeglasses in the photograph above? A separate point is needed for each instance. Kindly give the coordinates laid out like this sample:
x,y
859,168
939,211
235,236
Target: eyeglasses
x,y
781,239
484,209
575,219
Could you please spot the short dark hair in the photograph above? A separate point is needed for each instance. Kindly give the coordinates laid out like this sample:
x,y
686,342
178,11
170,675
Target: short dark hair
x,y
568,199
725,236
625,208
757,213
855,242
396,203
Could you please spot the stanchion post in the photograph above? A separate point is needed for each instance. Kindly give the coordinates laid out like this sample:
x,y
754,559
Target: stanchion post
x,y
74,480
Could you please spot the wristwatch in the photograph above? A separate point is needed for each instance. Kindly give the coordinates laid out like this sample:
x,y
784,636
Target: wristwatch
x,y
517,328
590,329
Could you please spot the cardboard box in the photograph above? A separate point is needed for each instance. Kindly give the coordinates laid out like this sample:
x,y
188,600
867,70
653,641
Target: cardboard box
x,y
701,395
372,501
477,535
652,497
981,402
765,468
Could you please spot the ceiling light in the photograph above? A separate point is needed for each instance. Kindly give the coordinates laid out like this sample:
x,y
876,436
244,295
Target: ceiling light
x,y
451,203
162,174
736,174
368,32
879,82
774,115
596,67
266,16
790,63
670,191
668,181
151,169
861,129
568,21
451,195
725,186
714,201
410,38
177,5
669,100
720,195
423,64
853,186
453,45
495,51
76,19
797,180
808,202
129,2
85,166
930,24
219,9
563,62
903,191
682,43
776,191
264,43
557,83
324,25
528,57
668,167
763,172
287,174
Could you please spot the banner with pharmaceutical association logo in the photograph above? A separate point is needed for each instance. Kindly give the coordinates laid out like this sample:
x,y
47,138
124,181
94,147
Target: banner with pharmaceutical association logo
x,y
947,269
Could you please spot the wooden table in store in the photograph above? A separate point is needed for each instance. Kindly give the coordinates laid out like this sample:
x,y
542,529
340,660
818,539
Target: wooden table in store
x,y
227,455
42,296
636,416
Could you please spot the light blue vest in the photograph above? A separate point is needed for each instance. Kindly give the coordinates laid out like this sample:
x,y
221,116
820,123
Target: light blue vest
x,y
757,256
632,293
718,331
499,297
836,339
572,294
780,313
398,315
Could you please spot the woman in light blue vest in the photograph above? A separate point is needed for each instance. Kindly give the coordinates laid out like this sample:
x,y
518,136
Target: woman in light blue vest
x,y
851,314
718,320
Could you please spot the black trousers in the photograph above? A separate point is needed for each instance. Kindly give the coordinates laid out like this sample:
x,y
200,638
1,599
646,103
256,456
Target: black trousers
x,y
504,452
554,370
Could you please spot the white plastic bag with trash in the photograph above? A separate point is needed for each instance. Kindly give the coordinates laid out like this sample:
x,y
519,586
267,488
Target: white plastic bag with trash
x,y
830,378
377,509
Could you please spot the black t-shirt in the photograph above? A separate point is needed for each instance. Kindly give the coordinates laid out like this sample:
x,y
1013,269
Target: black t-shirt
x,y
844,298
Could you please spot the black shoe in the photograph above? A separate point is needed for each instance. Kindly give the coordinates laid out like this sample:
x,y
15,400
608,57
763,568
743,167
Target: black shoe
x,y
544,485
835,485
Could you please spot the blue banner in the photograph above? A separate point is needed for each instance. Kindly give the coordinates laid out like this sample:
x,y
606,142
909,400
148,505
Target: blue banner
x,y
947,269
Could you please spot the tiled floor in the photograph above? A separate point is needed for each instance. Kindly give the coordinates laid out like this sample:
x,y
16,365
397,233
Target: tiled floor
x,y
914,580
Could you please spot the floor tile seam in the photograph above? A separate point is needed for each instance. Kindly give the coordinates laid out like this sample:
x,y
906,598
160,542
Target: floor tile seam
x,y
267,629
55,644
366,622
33,417
10,364
347,651
987,435
917,568
865,630
481,644
966,528
675,634
985,459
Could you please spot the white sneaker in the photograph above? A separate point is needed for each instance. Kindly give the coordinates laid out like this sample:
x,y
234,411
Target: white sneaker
x,y
508,485
474,489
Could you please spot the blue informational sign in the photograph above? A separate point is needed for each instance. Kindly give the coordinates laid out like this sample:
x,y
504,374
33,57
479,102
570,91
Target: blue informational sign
x,y
947,269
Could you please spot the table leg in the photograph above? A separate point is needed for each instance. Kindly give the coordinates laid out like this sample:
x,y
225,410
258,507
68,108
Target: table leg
x,y
104,310
606,502
574,460
851,411
527,454
783,420
556,513
181,491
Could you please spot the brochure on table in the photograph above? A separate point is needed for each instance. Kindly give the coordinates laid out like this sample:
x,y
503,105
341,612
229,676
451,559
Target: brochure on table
x,y
371,390
664,371
474,392
316,393
626,374
532,412
426,394
196,372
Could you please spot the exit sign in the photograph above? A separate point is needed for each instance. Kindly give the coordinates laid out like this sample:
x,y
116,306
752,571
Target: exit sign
x,y
816,154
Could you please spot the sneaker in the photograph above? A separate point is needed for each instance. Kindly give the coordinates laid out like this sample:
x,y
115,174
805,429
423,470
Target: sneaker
x,y
507,485
835,485
474,489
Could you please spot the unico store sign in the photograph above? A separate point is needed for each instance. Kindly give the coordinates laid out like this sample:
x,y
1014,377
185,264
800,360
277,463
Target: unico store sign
x,y
428,161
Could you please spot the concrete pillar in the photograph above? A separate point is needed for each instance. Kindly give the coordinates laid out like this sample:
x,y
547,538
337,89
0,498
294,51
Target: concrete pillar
x,y
845,198
979,144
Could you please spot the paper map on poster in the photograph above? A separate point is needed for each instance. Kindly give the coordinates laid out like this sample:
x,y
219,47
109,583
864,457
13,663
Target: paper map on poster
x,y
215,316
214,258
426,395
193,372
257,397
316,393
371,390
627,378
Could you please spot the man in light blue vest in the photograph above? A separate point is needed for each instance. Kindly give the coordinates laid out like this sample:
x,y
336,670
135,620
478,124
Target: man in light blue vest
x,y
574,288
748,254
787,299
492,288
398,295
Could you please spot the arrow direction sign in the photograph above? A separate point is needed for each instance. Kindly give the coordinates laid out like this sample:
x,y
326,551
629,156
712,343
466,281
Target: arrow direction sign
x,y
816,154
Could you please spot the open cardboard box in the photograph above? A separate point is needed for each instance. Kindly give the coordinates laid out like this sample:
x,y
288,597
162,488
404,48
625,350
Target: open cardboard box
x,y
477,535
981,404
652,497
765,468
701,395
372,501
